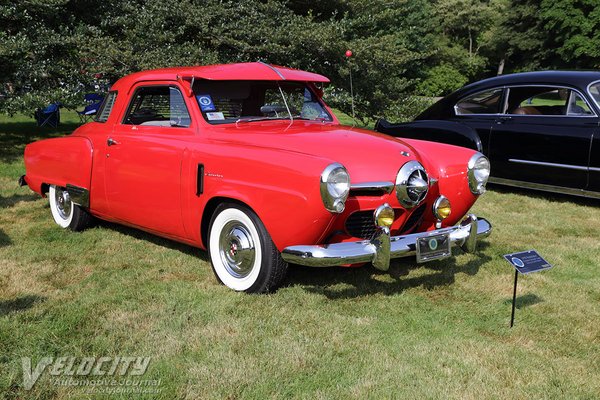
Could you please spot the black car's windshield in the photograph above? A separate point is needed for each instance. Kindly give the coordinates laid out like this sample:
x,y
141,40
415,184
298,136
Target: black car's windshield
x,y
223,102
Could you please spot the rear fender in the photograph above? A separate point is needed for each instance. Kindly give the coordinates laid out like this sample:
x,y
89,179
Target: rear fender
x,y
59,161
433,130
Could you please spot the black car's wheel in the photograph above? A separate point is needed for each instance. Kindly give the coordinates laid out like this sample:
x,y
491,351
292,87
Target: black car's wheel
x,y
65,213
242,253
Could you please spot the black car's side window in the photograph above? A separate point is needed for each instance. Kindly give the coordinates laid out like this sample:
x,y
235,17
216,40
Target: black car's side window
x,y
486,102
157,106
546,100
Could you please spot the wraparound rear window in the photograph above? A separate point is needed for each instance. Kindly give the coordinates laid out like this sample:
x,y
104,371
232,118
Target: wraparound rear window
x,y
486,102
106,107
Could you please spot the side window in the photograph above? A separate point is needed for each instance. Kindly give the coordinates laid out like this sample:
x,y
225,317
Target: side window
x,y
578,106
157,106
546,100
537,100
487,102
106,107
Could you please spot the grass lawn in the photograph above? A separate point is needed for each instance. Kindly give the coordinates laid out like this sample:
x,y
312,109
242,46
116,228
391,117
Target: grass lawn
x,y
437,331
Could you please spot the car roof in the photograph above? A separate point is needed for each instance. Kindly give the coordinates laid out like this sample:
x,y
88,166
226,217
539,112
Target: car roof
x,y
223,72
444,107
572,78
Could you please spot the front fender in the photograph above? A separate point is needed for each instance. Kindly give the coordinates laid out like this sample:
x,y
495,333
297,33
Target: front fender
x,y
440,131
448,164
281,187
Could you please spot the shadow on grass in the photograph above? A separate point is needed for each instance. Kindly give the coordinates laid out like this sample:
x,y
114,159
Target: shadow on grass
x,y
157,240
525,300
11,201
553,197
358,282
15,135
4,239
19,304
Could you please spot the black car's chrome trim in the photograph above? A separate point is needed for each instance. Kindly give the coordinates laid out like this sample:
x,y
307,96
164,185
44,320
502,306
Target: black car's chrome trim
x,y
546,188
506,89
386,187
556,165
590,93
79,195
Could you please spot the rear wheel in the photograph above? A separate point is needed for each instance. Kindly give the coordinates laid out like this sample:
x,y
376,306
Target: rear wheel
x,y
66,213
242,253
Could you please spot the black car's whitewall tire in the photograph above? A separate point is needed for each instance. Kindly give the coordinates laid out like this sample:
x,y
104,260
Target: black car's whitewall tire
x,y
242,253
66,213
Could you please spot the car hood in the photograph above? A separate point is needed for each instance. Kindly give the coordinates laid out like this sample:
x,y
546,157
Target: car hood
x,y
367,155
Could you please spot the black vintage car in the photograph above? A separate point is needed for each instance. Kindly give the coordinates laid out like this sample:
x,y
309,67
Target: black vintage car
x,y
540,130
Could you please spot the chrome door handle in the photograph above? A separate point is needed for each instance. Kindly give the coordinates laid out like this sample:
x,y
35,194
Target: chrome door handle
x,y
111,142
501,120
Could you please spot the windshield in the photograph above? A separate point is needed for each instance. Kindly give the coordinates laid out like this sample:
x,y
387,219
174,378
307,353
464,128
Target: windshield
x,y
225,102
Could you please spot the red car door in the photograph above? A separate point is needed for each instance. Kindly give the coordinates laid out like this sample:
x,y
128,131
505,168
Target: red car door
x,y
144,159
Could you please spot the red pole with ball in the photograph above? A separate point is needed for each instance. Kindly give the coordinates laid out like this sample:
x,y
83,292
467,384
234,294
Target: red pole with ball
x,y
348,55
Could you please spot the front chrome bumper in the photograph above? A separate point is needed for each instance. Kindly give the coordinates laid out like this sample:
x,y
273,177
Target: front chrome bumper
x,y
384,247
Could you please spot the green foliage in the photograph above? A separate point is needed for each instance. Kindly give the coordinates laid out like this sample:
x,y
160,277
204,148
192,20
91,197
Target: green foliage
x,y
56,50
441,80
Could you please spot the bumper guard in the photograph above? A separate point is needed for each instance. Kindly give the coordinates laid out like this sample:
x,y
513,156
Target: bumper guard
x,y
384,247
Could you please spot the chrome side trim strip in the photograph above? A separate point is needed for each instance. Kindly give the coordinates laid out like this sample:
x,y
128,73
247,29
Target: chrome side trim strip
x,y
556,165
386,187
273,69
545,188
79,195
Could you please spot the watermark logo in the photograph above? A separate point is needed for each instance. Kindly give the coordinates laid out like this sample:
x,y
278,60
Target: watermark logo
x,y
113,372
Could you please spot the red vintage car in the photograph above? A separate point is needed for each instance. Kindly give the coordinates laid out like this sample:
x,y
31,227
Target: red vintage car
x,y
247,162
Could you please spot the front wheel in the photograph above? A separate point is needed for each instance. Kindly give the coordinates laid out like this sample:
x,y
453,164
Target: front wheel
x,y
66,213
242,253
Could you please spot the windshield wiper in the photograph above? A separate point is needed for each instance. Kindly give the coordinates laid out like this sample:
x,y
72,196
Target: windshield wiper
x,y
253,119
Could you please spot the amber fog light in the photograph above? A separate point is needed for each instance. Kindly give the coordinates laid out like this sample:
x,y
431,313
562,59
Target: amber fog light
x,y
384,216
441,208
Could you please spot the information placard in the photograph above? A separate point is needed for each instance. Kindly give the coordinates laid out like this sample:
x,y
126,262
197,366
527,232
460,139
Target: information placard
x,y
527,262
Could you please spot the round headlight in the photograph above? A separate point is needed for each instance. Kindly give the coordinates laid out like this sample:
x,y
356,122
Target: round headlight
x,y
441,208
335,186
412,184
478,171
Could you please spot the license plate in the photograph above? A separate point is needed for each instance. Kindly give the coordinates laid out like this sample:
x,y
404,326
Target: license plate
x,y
433,247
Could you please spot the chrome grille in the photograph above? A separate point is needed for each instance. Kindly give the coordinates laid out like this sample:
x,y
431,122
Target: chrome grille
x,y
360,224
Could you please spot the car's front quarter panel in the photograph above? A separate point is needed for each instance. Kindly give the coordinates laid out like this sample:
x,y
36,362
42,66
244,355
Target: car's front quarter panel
x,y
281,187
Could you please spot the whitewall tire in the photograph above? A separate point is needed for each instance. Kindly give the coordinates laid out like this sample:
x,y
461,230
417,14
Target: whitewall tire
x,y
67,214
241,251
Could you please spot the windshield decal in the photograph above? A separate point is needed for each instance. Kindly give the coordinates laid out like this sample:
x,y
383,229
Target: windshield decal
x,y
206,103
215,116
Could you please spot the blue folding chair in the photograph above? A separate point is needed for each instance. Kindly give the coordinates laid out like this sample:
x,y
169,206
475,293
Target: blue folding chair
x,y
94,101
49,116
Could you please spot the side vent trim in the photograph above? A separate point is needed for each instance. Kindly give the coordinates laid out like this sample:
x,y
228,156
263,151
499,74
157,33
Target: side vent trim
x,y
200,180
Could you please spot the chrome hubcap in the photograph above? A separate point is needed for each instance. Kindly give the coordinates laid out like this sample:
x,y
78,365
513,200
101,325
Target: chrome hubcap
x,y
236,248
63,203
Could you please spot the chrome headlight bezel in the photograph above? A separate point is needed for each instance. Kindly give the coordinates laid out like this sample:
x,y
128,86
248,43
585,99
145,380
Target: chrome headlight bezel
x,y
441,202
334,202
405,192
477,181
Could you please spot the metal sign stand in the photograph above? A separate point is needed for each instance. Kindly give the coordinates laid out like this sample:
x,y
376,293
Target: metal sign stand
x,y
524,262
514,303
